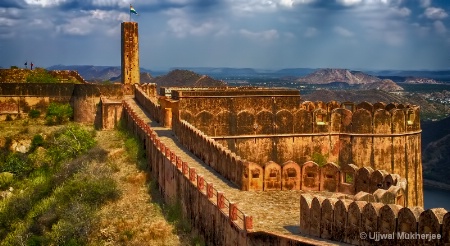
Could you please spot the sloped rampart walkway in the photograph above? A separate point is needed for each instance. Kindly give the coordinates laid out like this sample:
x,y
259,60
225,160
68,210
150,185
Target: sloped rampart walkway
x,y
277,212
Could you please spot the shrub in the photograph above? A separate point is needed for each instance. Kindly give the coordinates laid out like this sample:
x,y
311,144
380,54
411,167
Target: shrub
x,y
58,113
69,142
41,76
37,141
8,117
16,163
34,113
6,179
319,158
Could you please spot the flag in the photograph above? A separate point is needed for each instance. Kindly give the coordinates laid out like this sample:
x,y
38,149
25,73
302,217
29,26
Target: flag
x,y
132,10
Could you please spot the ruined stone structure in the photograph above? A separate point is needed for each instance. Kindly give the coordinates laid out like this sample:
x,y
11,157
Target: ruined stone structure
x,y
130,53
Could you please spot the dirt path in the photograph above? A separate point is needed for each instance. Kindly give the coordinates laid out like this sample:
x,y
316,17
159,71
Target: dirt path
x,y
135,218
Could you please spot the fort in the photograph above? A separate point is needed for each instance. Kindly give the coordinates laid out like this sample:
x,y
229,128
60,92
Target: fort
x,y
260,166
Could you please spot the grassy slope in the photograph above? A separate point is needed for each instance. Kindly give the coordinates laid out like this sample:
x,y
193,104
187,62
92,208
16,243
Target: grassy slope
x,y
136,217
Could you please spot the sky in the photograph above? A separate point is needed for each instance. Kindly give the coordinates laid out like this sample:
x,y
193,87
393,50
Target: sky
x,y
264,34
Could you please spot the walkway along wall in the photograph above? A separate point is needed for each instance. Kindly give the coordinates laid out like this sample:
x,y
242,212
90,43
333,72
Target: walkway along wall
x,y
384,137
365,183
218,220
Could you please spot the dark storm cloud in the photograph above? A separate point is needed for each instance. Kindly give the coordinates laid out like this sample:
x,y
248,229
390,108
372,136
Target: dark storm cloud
x,y
12,4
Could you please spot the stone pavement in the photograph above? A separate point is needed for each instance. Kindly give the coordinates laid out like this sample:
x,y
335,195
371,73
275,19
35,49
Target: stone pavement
x,y
272,211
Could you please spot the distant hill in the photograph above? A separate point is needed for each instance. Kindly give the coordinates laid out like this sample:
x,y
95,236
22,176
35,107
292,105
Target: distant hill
x,y
436,150
385,85
90,72
101,73
329,75
179,77
145,77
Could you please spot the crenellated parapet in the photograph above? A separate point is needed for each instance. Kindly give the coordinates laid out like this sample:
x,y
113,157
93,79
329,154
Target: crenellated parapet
x,y
368,223
146,100
349,179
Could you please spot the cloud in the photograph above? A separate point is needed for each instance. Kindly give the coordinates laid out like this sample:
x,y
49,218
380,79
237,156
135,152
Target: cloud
x,y
86,22
425,3
435,13
440,27
264,35
342,31
182,27
349,2
311,32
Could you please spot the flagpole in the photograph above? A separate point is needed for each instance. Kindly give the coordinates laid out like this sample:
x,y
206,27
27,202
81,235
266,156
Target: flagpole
x,y
130,12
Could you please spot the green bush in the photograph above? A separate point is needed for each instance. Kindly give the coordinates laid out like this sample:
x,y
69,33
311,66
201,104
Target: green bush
x,y
6,179
16,163
34,113
319,158
58,113
37,141
41,76
69,142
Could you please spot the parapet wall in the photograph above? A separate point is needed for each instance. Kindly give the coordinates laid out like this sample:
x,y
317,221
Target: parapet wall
x,y
150,103
20,98
210,213
366,183
362,223
384,137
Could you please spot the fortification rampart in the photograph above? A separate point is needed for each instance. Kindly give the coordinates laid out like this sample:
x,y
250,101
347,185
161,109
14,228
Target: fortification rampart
x,y
149,102
20,98
365,183
208,210
21,75
363,223
382,136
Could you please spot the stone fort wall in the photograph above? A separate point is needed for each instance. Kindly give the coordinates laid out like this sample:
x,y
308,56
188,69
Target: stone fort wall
x,y
381,136
19,98
358,222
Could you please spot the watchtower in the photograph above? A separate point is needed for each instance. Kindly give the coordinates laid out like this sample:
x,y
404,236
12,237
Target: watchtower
x,y
130,53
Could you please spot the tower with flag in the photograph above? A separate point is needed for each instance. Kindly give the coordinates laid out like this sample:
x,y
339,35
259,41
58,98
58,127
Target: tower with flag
x,y
130,54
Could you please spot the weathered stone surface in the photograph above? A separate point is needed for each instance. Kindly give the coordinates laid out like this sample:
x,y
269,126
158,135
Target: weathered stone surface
x,y
341,220
291,176
362,182
316,216
272,176
354,223
364,196
430,221
348,178
310,176
327,219
387,222
369,221
305,213
329,177
408,222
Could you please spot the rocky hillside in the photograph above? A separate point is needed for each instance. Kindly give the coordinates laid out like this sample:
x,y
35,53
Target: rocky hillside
x,y
384,85
90,72
144,78
329,75
186,78
436,160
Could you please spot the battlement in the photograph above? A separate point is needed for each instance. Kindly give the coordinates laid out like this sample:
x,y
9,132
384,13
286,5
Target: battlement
x,y
359,222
